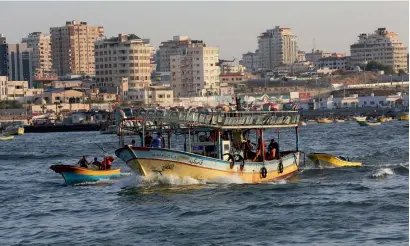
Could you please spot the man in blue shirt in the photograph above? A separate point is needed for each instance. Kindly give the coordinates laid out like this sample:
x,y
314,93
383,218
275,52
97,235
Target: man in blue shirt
x,y
156,142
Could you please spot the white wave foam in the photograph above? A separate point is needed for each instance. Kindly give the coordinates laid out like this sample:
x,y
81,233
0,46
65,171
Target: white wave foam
x,y
157,179
234,179
382,172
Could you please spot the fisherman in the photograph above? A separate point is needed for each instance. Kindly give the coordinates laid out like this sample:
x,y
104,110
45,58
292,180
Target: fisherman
x,y
148,139
133,143
273,150
157,142
106,164
83,162
96,163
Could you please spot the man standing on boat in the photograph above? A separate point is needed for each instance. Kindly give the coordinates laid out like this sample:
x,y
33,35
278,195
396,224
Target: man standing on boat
x,y
148,139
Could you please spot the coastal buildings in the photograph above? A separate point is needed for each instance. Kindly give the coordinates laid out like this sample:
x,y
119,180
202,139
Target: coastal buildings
x,y
126,56
382,46
41,54
17,90
3,55
301,56
228,67
73,47
196,72
153,95
315,55
277,46
333,62
251,61
19,63
177,46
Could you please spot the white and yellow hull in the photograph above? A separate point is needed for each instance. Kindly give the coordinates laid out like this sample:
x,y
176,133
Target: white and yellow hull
x,y
331,161
147,161
324,121
16,131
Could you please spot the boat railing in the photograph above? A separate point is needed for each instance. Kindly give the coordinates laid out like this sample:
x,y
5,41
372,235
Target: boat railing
x,y
165,119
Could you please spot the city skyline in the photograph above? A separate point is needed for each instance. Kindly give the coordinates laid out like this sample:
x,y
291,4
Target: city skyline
x,y
322,23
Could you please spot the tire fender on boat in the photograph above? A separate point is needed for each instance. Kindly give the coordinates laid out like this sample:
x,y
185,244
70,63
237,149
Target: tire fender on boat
x,y
280,167
296,161
264,172
231,159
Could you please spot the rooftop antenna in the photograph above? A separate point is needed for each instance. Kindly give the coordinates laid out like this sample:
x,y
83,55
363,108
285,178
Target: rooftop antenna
x,y
314,44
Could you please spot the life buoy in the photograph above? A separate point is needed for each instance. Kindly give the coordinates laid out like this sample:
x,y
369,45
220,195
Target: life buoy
x,y
231,159
280,167
264,172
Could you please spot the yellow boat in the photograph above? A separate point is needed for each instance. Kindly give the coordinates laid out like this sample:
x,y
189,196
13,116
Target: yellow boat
x,y
324,120
403,116
382,119
327,160
5,138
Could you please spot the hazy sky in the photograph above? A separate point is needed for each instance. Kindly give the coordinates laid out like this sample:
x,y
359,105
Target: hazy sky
x,y
231,26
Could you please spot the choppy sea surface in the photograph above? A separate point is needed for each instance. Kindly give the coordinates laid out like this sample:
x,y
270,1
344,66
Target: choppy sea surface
x,y
365,205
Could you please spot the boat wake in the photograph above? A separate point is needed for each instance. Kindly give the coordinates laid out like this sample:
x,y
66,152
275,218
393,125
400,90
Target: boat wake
x,y
381,173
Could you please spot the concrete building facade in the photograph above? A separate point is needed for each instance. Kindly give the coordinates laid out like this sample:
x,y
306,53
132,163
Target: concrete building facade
x,y
381,46
315,55
251,61
333,62
177,46
73,47
277,46
19,64
126,56
3,55
41,55
196,73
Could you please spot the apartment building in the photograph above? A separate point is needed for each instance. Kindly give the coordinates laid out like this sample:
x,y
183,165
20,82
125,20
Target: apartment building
x,y
73,47
177,46
41,56
333,62
197,72
277,46
381,46
3,55
17,90
251,61
126,56
301,56
20,66
315,55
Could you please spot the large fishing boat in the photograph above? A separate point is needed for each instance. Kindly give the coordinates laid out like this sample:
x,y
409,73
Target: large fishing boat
x,y
216,144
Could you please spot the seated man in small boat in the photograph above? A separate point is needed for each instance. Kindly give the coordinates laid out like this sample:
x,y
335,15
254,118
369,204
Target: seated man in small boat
x,y
83,162
106,164
133,143
96,163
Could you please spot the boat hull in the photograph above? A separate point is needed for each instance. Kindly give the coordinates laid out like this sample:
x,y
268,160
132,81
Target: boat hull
x,y
148,161
16,131
76,175
366,123
324,121
5,138
331,161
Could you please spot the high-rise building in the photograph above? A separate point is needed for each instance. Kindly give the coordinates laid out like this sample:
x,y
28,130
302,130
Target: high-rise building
x,y
177,46
73,47
381,46
125,56
20,65
251,61
277,46
196,73
42,63
3,55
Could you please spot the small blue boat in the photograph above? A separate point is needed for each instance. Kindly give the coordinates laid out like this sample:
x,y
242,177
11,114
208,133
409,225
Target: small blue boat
x,y
76,175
